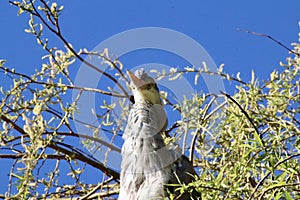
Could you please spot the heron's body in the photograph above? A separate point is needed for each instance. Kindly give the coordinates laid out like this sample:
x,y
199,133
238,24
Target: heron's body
x,y
148,164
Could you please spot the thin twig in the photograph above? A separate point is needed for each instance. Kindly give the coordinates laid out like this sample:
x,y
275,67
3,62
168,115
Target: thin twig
x,y
95,139
266,176
31,80
271,38
20,155
246,114
193,143
204,72
10,183
51,177
104,194
95,189
175,125
74,155
60,36
108,60
276,187
97,165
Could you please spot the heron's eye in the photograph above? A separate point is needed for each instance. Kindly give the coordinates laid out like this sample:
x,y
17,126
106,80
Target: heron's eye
x,y
147,86
132,99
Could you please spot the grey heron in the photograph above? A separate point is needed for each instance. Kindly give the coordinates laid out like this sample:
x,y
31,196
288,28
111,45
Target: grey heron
x,y
150,168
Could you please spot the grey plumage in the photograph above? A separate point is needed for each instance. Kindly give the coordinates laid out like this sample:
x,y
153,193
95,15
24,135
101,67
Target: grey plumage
x,y
148,164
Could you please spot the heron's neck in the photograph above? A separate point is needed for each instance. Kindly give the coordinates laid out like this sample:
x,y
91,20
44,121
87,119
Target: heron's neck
x,y
152,96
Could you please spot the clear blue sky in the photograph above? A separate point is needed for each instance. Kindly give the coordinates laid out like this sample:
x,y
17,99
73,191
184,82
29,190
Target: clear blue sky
x,y
213,24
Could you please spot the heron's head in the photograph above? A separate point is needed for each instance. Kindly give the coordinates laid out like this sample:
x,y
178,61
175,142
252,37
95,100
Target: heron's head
x,y
144,87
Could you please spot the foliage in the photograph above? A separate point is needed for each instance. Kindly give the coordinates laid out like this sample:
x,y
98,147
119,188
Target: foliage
x,y
256,130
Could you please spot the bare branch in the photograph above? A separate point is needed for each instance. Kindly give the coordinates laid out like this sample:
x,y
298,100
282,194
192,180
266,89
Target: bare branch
x,y
85,159
271,38
57,32
31,80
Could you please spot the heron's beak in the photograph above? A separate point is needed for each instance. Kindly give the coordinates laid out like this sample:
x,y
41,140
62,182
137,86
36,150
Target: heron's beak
x,y
135,80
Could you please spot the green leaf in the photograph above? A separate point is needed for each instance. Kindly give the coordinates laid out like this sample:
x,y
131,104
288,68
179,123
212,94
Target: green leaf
x,y
220,175
288,196
20,11
37,109
258,139
276,185
252,77
2,62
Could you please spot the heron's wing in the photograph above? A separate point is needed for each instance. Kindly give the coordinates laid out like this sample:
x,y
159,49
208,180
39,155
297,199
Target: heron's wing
x,y
183,173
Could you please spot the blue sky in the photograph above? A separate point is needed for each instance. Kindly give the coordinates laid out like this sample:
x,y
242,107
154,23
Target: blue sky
x,y
213,24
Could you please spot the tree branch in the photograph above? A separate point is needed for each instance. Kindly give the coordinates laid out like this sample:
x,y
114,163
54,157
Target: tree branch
x,y
246,114
268,174
80,157
271,38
